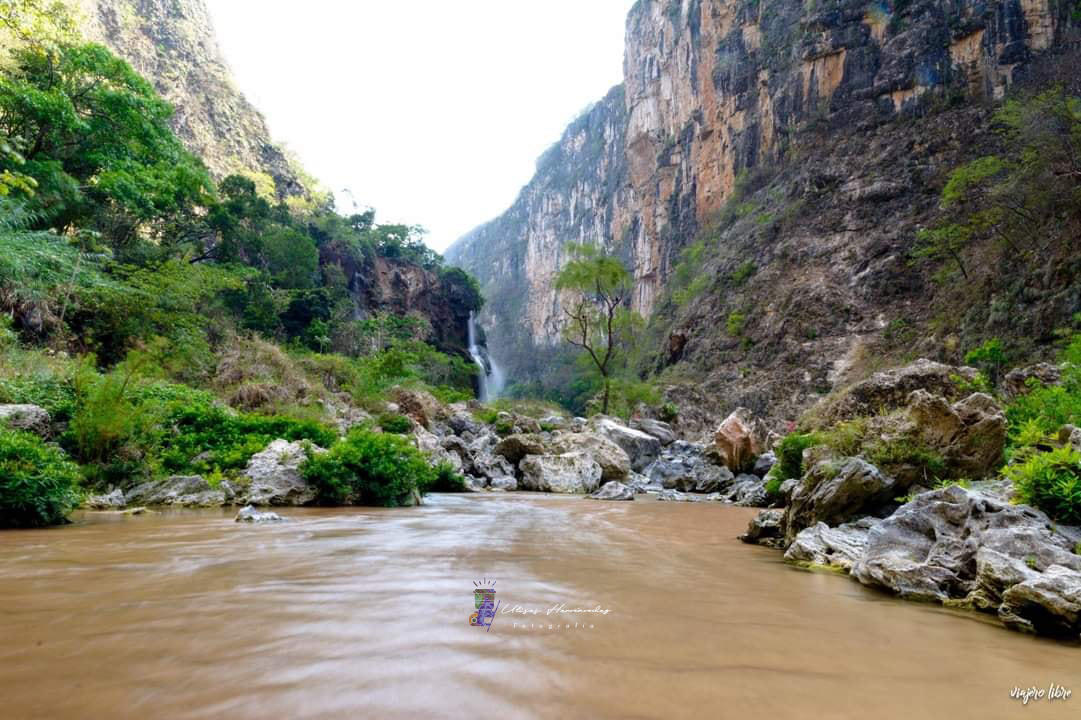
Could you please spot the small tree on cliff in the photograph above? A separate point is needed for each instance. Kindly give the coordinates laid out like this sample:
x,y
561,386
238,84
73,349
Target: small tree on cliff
x,y
598,284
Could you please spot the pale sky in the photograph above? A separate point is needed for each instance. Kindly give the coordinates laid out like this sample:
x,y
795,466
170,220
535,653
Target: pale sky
x,y
433,112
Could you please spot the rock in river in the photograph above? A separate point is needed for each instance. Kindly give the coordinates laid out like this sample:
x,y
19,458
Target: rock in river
x,y
250,515
275,476
834,492
569,473
613,491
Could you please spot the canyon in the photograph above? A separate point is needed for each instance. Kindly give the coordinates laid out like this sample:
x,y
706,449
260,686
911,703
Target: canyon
x,y
804,142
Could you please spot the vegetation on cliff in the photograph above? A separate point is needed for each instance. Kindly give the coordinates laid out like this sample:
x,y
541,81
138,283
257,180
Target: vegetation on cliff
x,y
141,299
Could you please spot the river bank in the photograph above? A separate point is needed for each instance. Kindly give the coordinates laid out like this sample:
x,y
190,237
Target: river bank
x,y
343,612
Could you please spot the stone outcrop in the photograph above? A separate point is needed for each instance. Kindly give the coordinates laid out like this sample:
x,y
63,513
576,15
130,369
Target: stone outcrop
x,y
572,473
180,491
686,467
29,418
956,545
614,462
834,492
892,389
739,441
656,428
839,547
275,476
970,434
616,491
641,448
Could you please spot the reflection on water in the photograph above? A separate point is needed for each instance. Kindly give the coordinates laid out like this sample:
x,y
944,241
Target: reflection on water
x,y
365,614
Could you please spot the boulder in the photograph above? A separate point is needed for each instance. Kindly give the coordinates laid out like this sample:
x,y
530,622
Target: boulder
x,y
970,434
464,424
685,466
834,492
570,473
516,447
275,476
614,461
505,483
613,491
746,491
641,448
677,496
739,441
1048,604
457,446
1070,435
765,529
419,405
493,468
29,418
764,464
838,547
642,484
889,390
109,501
656,428
956,544
553,422
1017,382
250,515
179,491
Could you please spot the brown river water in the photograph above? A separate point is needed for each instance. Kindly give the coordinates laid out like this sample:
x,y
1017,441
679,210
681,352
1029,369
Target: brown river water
x,y
364,614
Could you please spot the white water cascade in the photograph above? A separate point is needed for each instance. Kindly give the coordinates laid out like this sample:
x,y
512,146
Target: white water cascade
x,y
490,379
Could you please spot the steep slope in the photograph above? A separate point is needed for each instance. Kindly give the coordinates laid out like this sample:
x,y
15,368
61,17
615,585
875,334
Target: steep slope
x,y
172,43
802,142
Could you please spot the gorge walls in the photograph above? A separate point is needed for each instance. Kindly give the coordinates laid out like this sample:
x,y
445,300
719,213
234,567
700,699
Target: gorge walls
x,y
716,91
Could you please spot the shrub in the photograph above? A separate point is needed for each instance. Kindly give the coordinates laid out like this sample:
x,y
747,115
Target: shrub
x,y
790,455
669,412
446,480
1049,408
205,436
736,323
1051,481
395,423
369,468
36,482
888,455
744,273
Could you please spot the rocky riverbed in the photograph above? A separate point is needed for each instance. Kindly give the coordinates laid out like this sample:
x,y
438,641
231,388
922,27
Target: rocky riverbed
x,y
862,502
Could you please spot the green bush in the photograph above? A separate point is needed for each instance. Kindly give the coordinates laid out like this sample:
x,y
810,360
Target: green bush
x,y
1051,481
205,436
395,424
737,321
446,480
1049,408
790,455
369,468
37,482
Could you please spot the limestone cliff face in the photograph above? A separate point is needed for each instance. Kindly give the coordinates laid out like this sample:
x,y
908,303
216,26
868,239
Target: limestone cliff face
x,y
172,43
716,89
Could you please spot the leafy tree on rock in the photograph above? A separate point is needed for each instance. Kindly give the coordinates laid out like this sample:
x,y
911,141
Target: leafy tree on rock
x,y
598,285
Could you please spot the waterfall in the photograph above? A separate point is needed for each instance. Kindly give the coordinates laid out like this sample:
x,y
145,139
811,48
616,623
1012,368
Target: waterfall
x,y
490,379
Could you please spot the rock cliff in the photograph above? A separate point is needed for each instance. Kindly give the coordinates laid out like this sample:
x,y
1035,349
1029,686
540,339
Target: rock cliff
x,y
172,43
803,142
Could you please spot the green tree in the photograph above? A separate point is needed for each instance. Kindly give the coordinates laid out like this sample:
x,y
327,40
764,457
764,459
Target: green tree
x,y
597,285
95,137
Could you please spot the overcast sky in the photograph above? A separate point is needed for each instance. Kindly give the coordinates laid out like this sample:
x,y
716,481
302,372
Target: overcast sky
x,y
433,112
